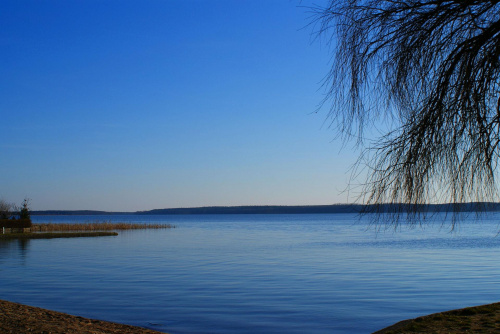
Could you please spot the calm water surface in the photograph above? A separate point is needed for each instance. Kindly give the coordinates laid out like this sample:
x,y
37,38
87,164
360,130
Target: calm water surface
x,y
256,273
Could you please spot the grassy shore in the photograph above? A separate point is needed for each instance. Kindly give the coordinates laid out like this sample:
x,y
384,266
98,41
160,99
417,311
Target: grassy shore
x,y
67,230
50,235
95,226
478,320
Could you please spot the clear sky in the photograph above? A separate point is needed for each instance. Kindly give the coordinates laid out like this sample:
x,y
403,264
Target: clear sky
x,y
124,105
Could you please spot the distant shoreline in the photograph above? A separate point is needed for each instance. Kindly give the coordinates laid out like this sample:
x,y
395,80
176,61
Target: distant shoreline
x,y
291,209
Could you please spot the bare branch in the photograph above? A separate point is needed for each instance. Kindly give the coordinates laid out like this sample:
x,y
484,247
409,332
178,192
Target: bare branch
x,y
433,69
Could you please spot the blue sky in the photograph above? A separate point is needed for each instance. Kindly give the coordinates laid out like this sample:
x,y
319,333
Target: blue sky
x,y
133,105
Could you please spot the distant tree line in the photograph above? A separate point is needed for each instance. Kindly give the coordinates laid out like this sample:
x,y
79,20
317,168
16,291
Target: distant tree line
x,y
283,209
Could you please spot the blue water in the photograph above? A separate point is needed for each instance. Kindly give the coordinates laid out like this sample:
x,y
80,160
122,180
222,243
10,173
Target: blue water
x,y
256,273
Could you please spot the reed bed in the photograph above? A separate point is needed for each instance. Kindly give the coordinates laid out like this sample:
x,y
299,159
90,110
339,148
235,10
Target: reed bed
x,y
52,235
95,226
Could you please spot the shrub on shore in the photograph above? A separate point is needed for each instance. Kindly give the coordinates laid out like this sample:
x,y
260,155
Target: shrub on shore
x,y
6,209
15,223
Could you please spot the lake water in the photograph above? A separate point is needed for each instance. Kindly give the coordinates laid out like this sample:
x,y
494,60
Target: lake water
x,y
326,273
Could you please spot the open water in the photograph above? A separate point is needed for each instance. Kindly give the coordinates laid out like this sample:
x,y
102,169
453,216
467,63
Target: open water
x,y
327,273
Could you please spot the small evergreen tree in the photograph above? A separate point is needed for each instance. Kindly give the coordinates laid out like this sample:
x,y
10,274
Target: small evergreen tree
x,y
24,213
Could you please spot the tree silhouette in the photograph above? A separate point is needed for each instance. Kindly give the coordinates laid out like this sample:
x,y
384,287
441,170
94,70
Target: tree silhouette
x,y
428,72
6,209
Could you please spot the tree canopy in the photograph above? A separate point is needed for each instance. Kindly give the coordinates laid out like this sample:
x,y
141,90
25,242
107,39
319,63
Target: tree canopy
x,y
427,73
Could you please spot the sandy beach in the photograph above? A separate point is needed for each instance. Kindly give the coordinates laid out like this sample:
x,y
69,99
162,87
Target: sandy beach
x,y
483,319
20,319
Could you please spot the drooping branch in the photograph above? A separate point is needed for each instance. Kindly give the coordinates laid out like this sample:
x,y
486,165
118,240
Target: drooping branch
x,y
433,69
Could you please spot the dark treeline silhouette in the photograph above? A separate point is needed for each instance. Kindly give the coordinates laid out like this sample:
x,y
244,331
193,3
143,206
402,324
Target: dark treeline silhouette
x,y
261,209
75,212
277,209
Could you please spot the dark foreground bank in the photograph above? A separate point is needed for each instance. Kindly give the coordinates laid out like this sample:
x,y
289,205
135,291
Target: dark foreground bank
x,y
20,319
478,320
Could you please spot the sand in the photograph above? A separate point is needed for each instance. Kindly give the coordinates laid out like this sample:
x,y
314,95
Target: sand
x,y
19,319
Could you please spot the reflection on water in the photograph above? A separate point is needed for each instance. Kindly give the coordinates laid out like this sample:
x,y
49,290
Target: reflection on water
x,y
14,248
255,273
